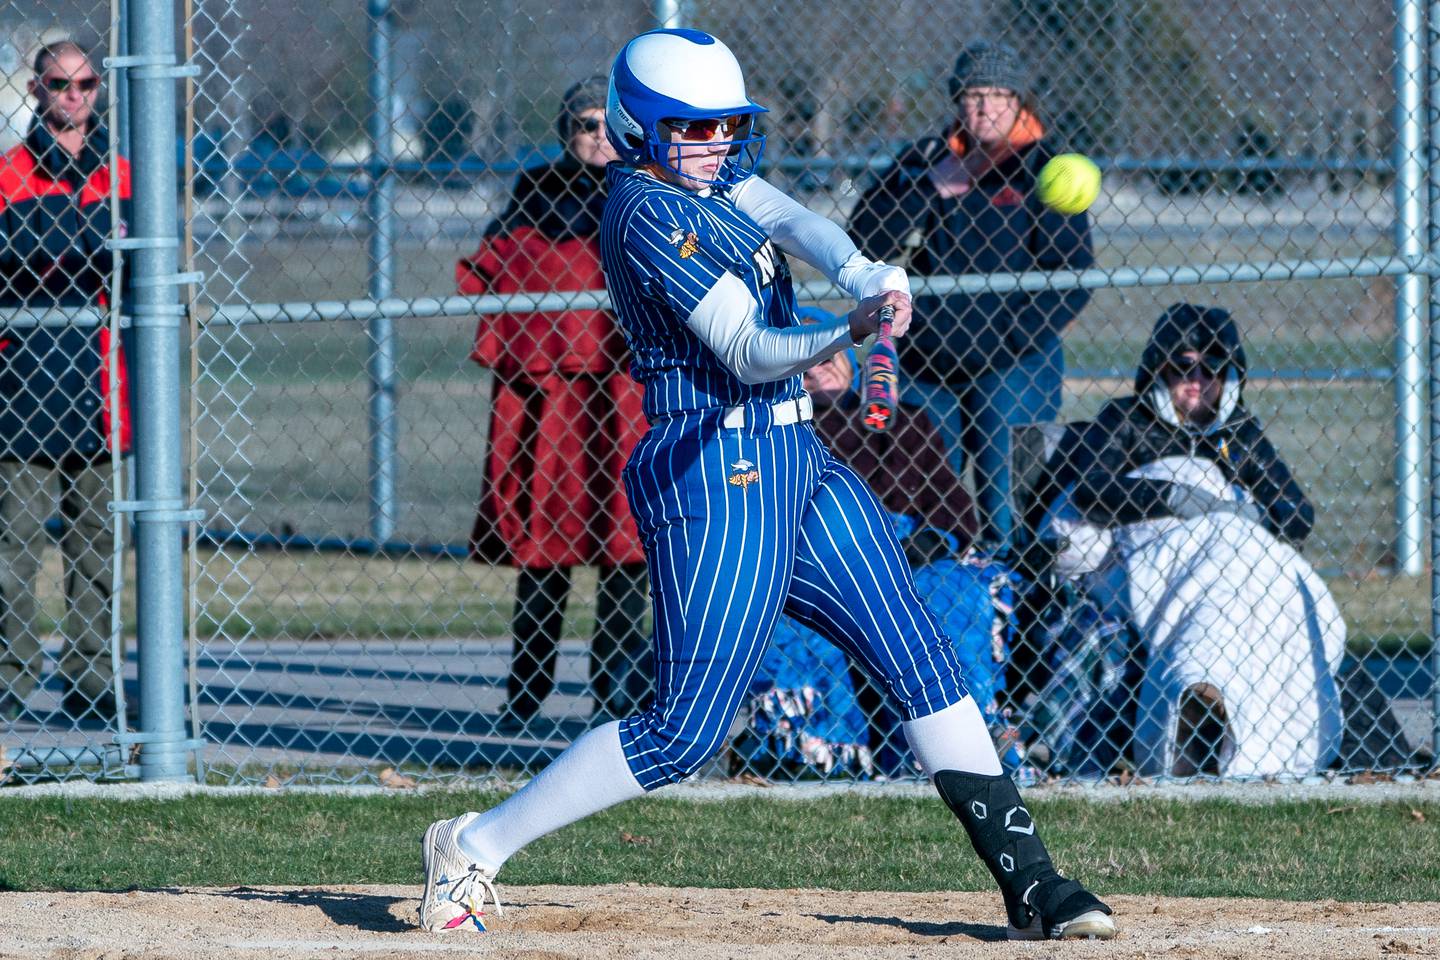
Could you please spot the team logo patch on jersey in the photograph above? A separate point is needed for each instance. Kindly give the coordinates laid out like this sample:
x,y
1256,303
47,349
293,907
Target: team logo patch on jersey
x,y
686,242
743,473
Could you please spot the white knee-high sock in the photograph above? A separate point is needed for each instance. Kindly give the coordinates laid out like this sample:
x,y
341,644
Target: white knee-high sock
x,y
954,738
588,777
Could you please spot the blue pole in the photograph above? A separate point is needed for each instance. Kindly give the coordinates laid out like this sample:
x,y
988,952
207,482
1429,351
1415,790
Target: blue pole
x,y
155,372
381,363
1410,288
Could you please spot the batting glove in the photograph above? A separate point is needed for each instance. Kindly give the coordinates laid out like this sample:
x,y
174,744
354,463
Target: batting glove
x,y
870,278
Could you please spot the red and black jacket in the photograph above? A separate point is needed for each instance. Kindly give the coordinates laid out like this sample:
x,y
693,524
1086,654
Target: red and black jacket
x,y
55,382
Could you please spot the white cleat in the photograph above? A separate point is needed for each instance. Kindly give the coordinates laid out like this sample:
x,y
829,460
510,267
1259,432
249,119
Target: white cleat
x,y
1091,925
456,889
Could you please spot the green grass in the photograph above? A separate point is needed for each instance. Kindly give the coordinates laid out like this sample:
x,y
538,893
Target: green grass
x,y
1293,851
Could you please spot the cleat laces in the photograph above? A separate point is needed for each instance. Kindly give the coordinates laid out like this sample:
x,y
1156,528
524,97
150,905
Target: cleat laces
x,y
473,891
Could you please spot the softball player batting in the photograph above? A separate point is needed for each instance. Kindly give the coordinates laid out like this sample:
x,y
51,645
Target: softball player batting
x,y
743,512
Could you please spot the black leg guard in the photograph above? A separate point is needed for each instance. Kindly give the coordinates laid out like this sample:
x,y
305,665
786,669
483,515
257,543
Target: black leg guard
x,y
1004,836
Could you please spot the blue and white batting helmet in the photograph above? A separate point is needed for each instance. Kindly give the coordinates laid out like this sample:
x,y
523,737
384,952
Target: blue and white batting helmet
x,y
679,75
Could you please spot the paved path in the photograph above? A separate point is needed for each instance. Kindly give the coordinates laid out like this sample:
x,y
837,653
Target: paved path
x,y
352,706
323,704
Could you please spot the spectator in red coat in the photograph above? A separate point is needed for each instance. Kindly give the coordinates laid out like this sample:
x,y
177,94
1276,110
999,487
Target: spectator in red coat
x,y
63,408
565,415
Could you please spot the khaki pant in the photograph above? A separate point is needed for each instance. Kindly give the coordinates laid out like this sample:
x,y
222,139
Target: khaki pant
x,y
87,546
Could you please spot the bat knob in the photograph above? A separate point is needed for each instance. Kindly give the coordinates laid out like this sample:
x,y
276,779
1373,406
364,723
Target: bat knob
x,y
877,417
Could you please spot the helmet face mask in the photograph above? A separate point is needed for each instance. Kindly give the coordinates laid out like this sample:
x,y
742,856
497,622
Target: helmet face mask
x,y
669,78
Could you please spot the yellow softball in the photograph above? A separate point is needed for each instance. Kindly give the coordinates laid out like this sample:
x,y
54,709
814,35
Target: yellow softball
x,y
1069,183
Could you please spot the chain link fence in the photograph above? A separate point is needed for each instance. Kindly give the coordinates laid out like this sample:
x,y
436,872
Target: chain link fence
x,y
1158,551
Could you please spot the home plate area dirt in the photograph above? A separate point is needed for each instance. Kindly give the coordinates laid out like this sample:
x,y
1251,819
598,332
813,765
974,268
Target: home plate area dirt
x,y
557,923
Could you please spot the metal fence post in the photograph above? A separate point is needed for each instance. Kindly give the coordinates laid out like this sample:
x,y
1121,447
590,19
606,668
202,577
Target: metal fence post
x,y
381,363
121,93
668,15
1433,239
1410,289
155,362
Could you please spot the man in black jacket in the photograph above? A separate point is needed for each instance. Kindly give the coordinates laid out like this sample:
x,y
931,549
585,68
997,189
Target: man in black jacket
x,y
58,419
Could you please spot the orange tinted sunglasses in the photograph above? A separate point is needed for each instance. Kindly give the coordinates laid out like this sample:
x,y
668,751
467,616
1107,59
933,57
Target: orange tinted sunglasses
x,y
704,129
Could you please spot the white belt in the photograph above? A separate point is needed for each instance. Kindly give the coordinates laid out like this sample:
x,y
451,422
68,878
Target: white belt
x,y
781,414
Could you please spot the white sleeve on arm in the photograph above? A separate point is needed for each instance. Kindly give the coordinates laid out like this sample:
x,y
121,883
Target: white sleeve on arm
x,y
817,240
727,321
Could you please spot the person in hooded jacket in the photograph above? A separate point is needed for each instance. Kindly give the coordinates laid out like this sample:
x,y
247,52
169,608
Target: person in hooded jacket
x,y
565,416
1242,640
1187,402
965,203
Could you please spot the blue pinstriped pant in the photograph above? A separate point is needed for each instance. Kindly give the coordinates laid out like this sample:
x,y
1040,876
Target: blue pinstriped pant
x,y
739,526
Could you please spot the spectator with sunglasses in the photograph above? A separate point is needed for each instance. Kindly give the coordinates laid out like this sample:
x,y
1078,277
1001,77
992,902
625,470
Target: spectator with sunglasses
x,y
58,427
1239,639
564,417
1187,402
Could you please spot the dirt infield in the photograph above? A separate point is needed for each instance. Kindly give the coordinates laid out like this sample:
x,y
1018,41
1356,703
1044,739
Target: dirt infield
x,y
554,923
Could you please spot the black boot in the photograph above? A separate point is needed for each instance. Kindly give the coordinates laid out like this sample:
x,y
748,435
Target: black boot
x,y
1040,903
540,597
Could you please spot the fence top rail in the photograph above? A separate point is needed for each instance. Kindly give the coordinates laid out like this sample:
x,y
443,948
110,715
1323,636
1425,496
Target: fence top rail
x,y
292,161
362,310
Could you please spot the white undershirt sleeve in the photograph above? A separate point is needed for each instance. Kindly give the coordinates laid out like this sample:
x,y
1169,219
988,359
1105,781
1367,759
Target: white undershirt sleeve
x,y
728,321
817,240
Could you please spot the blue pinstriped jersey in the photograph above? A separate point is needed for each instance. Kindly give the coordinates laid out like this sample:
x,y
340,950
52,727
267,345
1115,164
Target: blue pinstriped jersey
x,y
663,248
